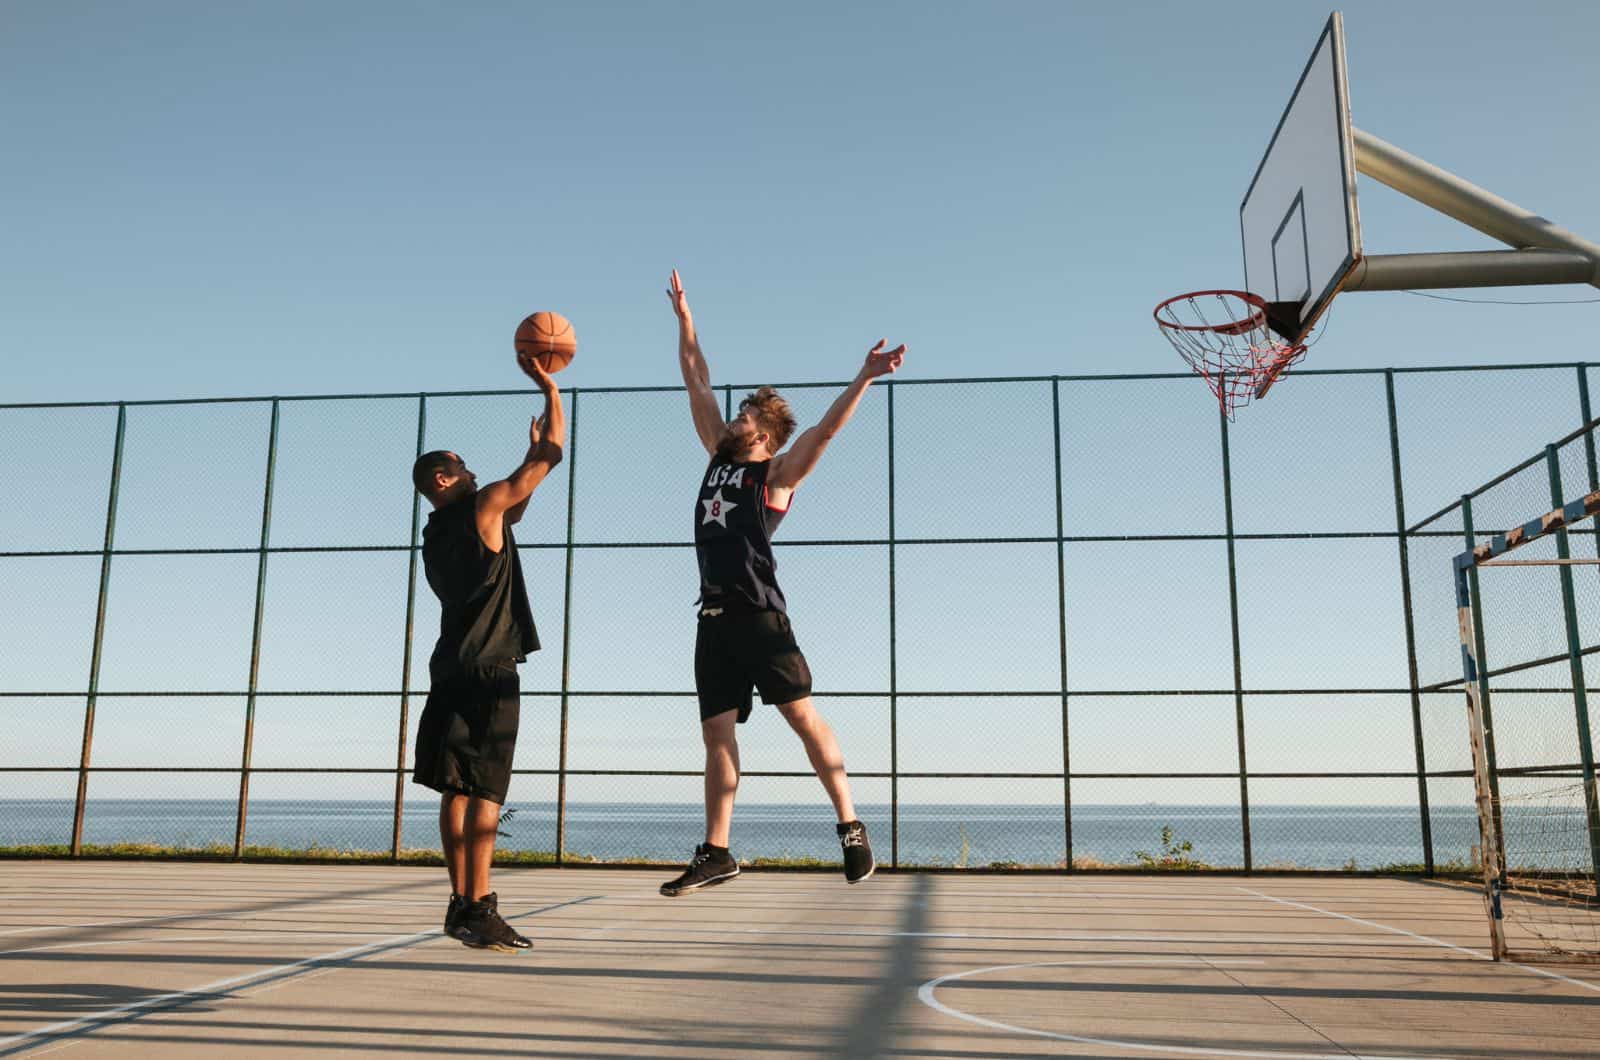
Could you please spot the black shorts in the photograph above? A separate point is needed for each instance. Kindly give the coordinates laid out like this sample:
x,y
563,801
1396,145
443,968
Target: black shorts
x,y
734,651
468,732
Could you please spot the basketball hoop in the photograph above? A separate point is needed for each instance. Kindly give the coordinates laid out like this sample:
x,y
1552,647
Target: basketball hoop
x,y
1223,336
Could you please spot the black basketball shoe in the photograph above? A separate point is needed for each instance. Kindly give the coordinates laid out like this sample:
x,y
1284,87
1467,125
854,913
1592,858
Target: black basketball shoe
x,y
453,915
858,863
481,921
709,866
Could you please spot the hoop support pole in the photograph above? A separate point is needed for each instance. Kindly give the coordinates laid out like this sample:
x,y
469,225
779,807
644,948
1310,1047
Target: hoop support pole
x,y
1474,268
1466,202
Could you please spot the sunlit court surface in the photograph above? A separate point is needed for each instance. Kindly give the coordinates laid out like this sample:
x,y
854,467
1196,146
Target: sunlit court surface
x,y
197,959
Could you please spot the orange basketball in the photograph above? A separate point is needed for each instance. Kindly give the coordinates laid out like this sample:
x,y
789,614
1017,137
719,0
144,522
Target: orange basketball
x,y
550,338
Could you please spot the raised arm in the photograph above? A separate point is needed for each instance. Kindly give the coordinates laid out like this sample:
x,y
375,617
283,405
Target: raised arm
x,y
790,468
696,376
507,499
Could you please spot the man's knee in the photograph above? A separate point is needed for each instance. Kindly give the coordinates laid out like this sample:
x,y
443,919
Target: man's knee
x,y
800,714
719,731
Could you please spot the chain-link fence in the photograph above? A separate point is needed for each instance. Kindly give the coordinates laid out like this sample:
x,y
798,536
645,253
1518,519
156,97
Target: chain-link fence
x,y
1529,594
1061,621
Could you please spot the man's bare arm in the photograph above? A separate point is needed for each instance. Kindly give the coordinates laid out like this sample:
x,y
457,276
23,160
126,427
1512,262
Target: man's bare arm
x,y
507,499
789,469
696,375
540,431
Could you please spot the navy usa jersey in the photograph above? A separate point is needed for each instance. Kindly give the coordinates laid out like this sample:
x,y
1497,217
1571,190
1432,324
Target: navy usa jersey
x,y
733,528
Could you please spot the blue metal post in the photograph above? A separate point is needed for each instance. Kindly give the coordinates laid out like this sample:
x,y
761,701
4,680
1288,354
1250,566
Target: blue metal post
x,y
99,633
255,638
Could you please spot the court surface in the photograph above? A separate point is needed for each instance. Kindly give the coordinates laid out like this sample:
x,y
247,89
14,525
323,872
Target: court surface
x,y
190,960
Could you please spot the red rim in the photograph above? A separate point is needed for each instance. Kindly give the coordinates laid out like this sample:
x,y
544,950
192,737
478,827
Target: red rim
x,y
1256,319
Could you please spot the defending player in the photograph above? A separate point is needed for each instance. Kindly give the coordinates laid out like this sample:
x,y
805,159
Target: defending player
x,y
744,638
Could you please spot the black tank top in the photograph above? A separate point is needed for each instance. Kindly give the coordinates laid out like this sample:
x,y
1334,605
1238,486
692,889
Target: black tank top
x,y
485,617
733,527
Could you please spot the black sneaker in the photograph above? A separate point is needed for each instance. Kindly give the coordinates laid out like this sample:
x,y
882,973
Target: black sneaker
x,y
710,866
452,918
858,863
481,920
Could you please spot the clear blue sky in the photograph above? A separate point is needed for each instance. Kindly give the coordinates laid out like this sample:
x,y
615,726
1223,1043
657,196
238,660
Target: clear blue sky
x,y
292,198
288,197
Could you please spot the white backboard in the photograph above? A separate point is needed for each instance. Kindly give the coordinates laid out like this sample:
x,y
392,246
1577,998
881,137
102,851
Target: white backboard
x,y
1298,221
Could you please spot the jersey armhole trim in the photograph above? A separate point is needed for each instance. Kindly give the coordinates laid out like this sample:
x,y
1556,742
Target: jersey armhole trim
x,y
767,504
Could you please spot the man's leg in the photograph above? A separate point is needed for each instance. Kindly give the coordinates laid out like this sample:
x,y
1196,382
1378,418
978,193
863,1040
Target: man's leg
x,y
722,774
482,917
713,863
482,822
719,685
823,751
453,838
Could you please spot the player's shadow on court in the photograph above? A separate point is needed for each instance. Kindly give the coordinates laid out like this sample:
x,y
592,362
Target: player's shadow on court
x,y
870,1031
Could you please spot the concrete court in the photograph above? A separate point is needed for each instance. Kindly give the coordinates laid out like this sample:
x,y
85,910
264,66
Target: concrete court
x,y
219,960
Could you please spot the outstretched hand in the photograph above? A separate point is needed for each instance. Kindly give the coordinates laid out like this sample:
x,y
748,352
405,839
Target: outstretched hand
x,y
680,304
529,363
881,361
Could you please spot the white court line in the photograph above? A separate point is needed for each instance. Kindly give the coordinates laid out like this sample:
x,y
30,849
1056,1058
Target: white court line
x,y
8,1045
298,912
140,921
1216,938
220,984
248,936
1479,954
299,900
124,922
973,889
926,990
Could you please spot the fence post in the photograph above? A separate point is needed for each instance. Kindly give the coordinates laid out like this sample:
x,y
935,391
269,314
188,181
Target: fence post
x,y
1474,682
1410,625
1485,701
894,694
566,629
255,638
405,665
99,633
1584,410
1238,669
1061,601
1587,415
1580,694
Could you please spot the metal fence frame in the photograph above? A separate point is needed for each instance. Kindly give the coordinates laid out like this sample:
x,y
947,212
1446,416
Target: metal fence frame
x,y
1560,521
1402,535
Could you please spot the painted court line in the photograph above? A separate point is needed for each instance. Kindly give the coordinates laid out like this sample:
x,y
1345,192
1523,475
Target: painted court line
x,y
925,994
167,940
123,922
62,1029
1212,938
1478,954
133,1010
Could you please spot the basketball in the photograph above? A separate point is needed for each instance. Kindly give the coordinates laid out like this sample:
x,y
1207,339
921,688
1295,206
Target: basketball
x,y
550,338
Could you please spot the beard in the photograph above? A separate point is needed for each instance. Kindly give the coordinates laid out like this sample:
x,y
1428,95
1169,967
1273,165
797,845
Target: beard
x,y
733,447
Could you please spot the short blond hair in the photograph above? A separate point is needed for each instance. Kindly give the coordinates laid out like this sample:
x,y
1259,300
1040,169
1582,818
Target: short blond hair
x,y
772,415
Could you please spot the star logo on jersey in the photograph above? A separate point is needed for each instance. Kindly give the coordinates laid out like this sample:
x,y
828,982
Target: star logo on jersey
x,y
717,510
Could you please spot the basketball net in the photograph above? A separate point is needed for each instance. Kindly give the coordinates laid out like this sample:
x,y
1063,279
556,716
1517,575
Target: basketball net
x,y
1223,336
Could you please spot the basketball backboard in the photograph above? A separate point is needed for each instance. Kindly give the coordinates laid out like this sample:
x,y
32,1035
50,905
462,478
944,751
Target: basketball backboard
x,y
1298,222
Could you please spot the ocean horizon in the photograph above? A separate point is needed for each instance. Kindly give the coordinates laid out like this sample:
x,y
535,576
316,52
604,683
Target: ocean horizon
x,y
943,834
